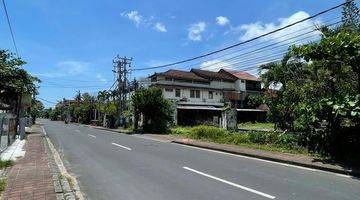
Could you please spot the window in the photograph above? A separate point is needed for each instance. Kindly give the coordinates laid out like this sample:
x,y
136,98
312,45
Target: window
x,y
243,81
211,95
168,89
192,93
197,93
177,92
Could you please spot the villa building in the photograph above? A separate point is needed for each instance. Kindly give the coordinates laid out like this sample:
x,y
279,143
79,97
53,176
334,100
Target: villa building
x,y
200,95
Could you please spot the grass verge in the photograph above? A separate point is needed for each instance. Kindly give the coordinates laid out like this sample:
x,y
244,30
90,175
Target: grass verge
x,y
269,141
267,126
3,183
6,163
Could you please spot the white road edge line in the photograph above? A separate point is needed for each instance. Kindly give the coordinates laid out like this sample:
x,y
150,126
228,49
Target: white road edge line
x,y
269,161
119,145
251,158
147,138
231,183
92,135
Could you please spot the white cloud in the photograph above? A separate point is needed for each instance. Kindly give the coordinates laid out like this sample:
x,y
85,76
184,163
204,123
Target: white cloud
x,y
101,78
140,20
195,31
222,21
160,27
133,16
215,65
258,28
72,67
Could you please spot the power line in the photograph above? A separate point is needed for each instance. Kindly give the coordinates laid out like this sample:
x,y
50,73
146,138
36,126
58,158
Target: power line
x,y
275,38
266,47
66,79
9,24
51,102
254,54
244,42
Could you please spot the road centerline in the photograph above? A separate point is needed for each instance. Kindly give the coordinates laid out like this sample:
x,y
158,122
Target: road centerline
x,y
230,183
93,136
119,145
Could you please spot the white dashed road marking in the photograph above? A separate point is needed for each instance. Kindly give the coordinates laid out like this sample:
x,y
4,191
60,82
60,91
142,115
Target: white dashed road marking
x,y
231,183
119,145
92,135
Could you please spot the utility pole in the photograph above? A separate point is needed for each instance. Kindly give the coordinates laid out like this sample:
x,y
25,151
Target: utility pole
x,y
122,66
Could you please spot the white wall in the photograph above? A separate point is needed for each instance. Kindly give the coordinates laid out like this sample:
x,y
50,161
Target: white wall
x,y
222,85
239,86
204,94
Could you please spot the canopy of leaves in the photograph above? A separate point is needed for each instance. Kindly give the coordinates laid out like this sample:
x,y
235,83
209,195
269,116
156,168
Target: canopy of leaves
x,y
319,91
157,110
14,79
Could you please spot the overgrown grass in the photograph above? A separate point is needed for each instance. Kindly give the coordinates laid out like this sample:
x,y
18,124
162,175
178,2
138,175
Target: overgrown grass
x,y
6,163
3,183
266,126
270,141
69,179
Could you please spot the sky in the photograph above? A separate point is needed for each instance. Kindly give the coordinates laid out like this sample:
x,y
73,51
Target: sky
x,y
70,45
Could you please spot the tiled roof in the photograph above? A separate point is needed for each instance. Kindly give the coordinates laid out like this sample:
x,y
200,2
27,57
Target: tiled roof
x,y
213,75
182,75
240,74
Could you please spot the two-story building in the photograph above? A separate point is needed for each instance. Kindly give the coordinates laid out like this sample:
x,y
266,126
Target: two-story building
x,y
200,95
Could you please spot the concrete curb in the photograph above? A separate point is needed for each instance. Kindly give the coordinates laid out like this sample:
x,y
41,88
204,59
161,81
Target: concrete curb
x,y
104,129
323,168
62,187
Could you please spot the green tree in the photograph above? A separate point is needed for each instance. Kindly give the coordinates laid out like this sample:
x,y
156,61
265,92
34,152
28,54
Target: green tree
x,y
14,80
36,110
319,91
351,16
156,110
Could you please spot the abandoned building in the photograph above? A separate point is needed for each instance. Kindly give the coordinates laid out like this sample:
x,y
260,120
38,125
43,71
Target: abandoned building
x,y
200,95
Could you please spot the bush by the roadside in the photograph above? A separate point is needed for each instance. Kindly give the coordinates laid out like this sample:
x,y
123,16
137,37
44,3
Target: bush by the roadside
x,y
2,184
6,163
275,141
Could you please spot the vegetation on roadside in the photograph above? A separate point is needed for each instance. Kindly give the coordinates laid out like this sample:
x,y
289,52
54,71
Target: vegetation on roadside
x,y
271,141
6,163
261,126
156,110
3,183
319,89
69,180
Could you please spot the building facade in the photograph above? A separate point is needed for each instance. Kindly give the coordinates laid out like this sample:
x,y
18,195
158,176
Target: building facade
x,y
200,95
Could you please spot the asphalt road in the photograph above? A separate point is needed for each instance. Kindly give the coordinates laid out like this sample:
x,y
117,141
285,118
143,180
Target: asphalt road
x,y
110,165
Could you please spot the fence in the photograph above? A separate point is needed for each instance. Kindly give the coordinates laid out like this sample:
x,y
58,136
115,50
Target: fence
x,y
7,130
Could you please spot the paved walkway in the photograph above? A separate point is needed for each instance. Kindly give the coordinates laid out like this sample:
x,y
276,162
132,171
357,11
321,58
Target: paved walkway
x,y
31,178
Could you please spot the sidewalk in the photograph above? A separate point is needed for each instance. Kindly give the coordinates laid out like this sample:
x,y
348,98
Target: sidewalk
x,y
30,178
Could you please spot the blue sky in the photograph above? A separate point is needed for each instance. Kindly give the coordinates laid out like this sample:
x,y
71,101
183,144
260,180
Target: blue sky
x,y
70,44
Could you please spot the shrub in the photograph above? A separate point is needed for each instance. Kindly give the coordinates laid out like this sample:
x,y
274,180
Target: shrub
x,y
207,132
181,131
284,142
6,163
3,184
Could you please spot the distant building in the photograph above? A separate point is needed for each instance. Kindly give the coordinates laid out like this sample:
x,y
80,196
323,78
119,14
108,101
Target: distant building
x,y
200,94
66,103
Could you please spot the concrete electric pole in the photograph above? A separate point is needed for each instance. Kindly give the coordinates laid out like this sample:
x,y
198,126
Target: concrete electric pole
x,y
122,66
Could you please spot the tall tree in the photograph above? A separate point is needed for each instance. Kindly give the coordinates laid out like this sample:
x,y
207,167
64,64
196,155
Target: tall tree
x,y
351,16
